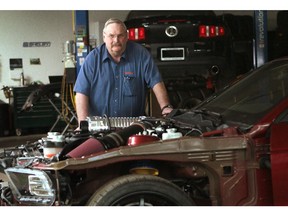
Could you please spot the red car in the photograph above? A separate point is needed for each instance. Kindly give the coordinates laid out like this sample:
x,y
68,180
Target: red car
x,y
230,150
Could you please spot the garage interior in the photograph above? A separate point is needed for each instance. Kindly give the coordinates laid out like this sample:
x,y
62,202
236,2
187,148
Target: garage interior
x,y
219,154
46,50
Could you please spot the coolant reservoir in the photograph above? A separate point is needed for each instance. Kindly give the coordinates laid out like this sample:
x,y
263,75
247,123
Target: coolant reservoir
x,y
53,144
171,133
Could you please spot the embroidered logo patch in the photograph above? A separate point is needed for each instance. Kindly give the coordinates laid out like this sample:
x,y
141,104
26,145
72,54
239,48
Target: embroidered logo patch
x,y
128,73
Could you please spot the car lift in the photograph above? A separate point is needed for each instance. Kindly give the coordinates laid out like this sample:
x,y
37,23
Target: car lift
x,y
67,84
72,67
260,46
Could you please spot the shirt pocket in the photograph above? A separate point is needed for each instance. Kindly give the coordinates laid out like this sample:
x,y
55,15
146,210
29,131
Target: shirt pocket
x,y
129,85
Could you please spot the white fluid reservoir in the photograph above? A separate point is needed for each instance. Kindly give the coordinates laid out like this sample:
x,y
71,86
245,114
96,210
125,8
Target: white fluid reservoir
x,y
171,133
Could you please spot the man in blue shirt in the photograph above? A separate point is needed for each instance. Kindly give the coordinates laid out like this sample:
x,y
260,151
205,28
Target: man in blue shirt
x,y
115,77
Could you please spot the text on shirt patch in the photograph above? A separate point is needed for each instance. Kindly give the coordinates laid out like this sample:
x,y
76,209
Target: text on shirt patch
x,y
128,73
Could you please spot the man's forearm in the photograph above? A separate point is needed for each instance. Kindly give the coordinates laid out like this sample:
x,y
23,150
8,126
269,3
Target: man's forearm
x,y
82,107
161,94
163,99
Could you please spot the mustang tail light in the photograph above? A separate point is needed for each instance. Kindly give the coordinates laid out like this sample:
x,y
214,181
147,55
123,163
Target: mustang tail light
x,y
136,34
207,31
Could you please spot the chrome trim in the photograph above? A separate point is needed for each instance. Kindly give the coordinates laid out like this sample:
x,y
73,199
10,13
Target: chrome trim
x,y
171,31
175,58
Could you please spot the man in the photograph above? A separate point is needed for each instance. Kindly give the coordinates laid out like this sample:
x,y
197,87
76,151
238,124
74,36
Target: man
x,y
115,76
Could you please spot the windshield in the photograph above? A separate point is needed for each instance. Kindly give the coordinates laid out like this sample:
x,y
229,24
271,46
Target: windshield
x,y
252,97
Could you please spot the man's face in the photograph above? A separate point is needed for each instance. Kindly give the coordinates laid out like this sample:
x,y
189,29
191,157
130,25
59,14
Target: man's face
x,y
115,38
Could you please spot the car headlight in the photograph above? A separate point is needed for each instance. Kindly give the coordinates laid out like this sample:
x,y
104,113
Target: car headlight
x,y
31,187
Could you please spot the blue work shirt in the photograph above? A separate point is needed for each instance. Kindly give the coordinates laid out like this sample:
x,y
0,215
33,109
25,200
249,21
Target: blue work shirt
x,y
117,89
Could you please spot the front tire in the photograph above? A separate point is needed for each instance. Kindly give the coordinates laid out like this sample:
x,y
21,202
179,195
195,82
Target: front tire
x,y
140,190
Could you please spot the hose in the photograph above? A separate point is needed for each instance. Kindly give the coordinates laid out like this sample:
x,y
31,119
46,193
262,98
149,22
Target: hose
x,y
112,140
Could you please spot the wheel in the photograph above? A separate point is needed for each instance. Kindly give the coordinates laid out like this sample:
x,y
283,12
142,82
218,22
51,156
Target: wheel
x,y
140,190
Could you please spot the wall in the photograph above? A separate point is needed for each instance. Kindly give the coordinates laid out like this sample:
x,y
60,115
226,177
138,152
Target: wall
x,y
17,27
56,27
97,20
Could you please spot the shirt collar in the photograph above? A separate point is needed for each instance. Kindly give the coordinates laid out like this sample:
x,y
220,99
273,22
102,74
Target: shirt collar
x,y
106,54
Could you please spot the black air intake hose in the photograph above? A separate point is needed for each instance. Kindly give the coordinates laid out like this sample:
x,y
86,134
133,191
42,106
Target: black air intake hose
x,y
112,140
120,138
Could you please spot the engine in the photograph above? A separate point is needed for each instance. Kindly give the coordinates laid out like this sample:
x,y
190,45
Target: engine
x,y
97,134
112,132
123,131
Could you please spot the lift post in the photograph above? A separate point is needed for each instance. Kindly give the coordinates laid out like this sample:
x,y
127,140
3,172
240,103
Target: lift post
x,y
81,37
261,44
